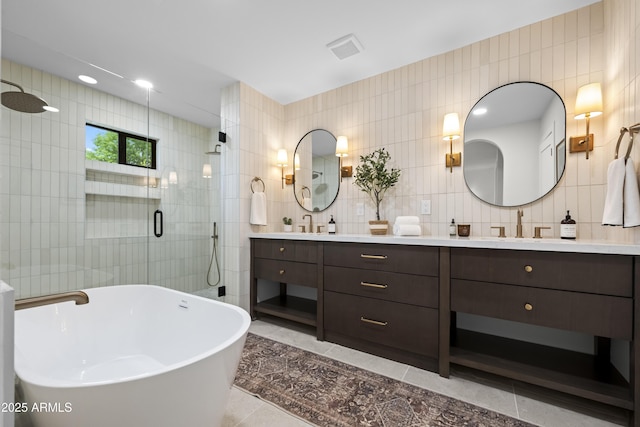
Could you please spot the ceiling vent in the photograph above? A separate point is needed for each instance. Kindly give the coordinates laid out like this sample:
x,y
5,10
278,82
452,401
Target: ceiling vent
x,y
345,46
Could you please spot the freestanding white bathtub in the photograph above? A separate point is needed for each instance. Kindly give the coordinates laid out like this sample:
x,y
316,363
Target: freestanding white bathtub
x,y
136,355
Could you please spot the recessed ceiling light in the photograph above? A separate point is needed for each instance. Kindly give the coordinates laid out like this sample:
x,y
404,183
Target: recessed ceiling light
x,y
143,83
50,109
479,111
87,79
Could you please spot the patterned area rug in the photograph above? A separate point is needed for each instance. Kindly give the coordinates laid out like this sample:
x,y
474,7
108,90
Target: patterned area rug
x,y
326,392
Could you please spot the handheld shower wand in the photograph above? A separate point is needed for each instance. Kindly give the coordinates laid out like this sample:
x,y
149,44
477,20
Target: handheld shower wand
x,y
214,256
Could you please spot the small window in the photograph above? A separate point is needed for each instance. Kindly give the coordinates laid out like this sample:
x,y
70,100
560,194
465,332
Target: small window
x,y
113,146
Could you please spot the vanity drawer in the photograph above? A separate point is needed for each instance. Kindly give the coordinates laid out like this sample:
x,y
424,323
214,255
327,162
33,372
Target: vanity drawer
x,y
290,250
286,272
397,287
599,315
406,327
398,258
593,273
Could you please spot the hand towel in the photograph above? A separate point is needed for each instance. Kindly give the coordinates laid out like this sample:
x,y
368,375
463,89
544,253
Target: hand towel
x,y
631,196
258,209
407,220
613,204
407,229
306,203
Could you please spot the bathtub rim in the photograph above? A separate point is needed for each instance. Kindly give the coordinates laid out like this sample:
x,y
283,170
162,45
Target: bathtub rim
x,y
239,335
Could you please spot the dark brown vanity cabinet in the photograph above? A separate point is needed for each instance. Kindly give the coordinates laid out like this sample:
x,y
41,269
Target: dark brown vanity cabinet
x,y
287,262
383,299
587,293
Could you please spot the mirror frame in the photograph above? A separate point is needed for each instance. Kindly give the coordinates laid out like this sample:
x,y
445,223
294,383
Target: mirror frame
x,y
295,177
558,145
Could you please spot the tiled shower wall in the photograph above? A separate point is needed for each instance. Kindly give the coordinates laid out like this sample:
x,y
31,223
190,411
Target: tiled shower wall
x,y
57,238
402,110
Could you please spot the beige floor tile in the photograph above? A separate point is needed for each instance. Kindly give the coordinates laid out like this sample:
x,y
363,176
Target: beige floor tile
x,y
496,399
544,414
269,416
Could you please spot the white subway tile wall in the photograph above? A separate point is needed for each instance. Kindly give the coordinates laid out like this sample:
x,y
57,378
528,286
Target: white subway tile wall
x,y
402,110
67,223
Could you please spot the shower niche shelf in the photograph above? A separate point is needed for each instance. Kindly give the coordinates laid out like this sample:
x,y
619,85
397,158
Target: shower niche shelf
x,y
109,179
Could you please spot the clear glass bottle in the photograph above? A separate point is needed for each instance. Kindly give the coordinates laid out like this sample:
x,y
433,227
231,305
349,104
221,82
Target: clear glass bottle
x,y
452,228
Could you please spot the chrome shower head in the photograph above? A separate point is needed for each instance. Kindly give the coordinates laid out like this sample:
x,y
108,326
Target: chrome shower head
x,y
22,101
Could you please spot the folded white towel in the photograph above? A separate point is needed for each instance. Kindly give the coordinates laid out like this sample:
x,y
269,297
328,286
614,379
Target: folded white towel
x,y
407,220
631,196
407,230
613,204
258,214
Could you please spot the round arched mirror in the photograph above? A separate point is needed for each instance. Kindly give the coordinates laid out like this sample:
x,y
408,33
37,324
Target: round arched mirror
x,y
514,144
316,171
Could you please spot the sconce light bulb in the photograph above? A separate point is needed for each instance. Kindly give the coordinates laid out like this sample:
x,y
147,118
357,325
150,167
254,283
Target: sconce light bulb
x,y
342,146
282,157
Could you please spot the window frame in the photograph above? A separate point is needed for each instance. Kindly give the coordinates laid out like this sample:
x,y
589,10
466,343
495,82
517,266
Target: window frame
x,y
122,145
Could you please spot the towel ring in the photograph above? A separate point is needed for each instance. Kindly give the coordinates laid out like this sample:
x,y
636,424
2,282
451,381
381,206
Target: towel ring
x,y
256,179
634,129
304,187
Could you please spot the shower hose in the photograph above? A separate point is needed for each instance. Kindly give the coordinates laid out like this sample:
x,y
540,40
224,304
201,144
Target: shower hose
x,y
214,257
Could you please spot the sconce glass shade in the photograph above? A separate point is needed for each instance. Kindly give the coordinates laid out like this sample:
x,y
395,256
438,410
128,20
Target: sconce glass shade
x,y
296,162
588,101
451,126
342,147
206,170
282,157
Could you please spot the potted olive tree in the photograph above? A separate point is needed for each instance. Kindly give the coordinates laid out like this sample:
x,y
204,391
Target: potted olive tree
x,y
375,178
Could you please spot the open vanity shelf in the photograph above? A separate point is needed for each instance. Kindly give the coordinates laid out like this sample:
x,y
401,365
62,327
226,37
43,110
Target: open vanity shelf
x,y
301,310
567,371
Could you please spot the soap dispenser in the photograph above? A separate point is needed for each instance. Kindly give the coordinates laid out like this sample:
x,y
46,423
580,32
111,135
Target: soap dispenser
x,y
332,226
568,227
452,228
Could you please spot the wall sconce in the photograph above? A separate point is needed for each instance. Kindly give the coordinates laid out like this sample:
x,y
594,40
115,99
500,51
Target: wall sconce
x,y
451,131
588,104
342,150
296,162
206,170
173,177
283,159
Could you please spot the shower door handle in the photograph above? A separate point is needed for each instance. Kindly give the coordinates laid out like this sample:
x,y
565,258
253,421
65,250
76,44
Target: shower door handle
x,y
157,214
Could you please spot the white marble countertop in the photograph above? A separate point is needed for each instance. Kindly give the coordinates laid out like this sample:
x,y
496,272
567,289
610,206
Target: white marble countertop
x,y
543,244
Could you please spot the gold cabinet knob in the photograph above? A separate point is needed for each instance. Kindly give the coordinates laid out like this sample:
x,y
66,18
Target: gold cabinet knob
x,y
528,268
528,307
281,272
281,249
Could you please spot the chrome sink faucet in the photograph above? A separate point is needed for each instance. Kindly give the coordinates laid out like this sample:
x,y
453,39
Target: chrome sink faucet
x,y
519,223
310,222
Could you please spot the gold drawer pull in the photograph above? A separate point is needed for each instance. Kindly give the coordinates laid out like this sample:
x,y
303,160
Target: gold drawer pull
x,y
281,249
528,268
373,256
375,322
281,272
528,307
373,285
